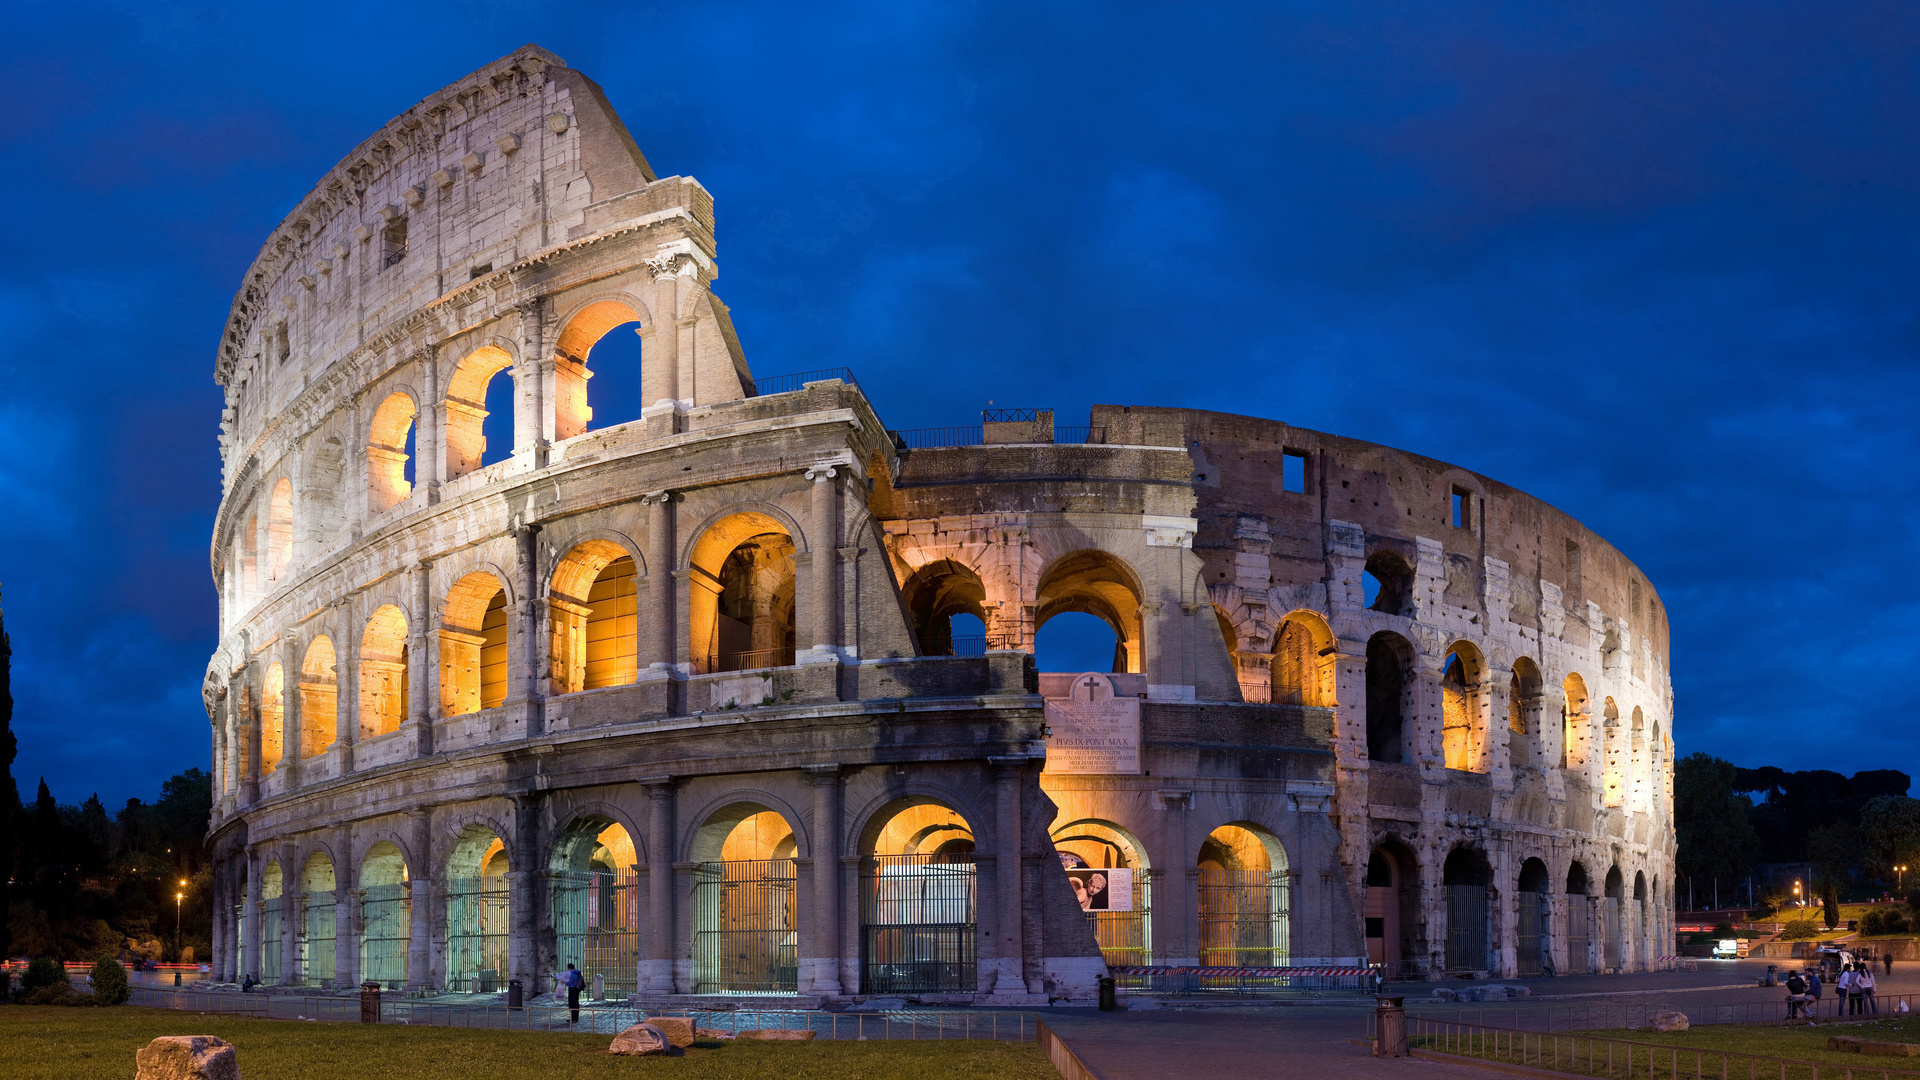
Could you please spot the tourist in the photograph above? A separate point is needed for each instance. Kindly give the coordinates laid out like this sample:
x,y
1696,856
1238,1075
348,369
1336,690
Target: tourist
x,y
1887,959
1846,1000
1796,995
1863,985
574,982
1813,994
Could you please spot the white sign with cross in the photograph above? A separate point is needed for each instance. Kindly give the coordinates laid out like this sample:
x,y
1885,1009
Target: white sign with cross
x,y
1093,731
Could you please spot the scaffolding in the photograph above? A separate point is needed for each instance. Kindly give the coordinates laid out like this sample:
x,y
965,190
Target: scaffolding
x,y
743,939
316,945
386,927
596,920
477,914
1126,937
1243,918
918,930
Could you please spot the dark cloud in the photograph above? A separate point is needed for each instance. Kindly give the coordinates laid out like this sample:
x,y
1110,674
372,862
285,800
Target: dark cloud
x,y
1651,262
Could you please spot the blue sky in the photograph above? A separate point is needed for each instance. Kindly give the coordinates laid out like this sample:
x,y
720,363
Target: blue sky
x,y
1655,263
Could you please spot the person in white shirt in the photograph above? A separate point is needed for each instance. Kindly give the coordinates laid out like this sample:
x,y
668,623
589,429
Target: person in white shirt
x,y
1863,981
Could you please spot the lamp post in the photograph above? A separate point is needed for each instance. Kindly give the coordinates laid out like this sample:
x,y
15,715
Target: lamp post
x,y
1796,893
178,897
1902,871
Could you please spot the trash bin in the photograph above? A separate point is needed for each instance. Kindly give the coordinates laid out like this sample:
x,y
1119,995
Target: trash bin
x,y
1107,1002
514,999
369,1002
1390,1024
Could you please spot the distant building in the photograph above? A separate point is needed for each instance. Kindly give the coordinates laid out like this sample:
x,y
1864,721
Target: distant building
x,y
678,697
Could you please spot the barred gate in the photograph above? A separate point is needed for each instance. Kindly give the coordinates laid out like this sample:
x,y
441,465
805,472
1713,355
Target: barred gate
x,y
743,932
1531,954
240,935
1579,934
1466,927
1126,937
596,920
1243,918
1610,933
477,915
316,945
270,940
386,925
918,924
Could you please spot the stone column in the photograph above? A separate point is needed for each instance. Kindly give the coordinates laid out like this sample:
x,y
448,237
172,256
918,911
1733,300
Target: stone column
x,y
250,792
218,957
346,947
346,689
824,545
289,943
532,415
420,973
656,640
522,902
422,675
1008,923
290,713
525,697
251,948
656,970
429,443
824,977
1176,907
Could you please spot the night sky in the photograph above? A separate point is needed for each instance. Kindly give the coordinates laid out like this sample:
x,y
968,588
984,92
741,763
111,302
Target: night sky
x,y
1655,264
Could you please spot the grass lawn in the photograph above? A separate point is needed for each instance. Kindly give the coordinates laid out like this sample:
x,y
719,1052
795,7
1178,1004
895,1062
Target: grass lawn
x,y
85,1044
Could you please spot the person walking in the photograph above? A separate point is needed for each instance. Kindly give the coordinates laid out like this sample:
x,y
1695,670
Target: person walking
x,y
1863,981
1887,959
574,982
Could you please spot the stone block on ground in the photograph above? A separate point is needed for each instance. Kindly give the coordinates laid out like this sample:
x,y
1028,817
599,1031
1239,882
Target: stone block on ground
x,y
778,1034
711,1034
1667,1020
639,1040
678,1029
186,1057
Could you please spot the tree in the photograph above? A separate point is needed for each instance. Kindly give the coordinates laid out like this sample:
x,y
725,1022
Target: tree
x,y
9,794
1890,832
1711,824
1830,903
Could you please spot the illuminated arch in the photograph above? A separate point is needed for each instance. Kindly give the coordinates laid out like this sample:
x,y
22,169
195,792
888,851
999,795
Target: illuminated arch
x,y
386,922
1125,934
466,407
319,698
1462,693
1576,723
934,595
280,529
1523,713
1099,584
592,616
746,913
740,608
478,911
1243,914
1303,659
387,482
473,645
273,719
584,329
596,901
383,673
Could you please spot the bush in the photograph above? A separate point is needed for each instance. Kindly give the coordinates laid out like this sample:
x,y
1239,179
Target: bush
x,y
1723,928
60,993
1883,920
1799,929
110,982
43,971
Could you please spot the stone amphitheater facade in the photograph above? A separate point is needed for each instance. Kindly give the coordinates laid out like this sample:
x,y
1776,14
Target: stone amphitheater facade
x,y
678,697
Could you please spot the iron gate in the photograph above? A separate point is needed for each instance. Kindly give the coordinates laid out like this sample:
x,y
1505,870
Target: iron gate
x,y
386,925
918,931
477,915
1531,941
1579,934
1610,932
743,931
1126,937
316,946
596,920
1466,927
270,940
1243,918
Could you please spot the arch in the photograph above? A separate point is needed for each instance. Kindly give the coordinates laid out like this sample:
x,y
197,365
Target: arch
x,y
1462,689
919,920
593,616
1393,578
741,593
273,908
386,916
383,672
1243,913
473,645
1613,921
478,911
466,408
1579,920
594,871
280,529
1466,877
934,595
387,457
1100,584
1523,713
573,413
317,884
322,482
1391,907
273,718
1303,660
1390,688
1533,939
1576,723
745,912
319,698
1121,912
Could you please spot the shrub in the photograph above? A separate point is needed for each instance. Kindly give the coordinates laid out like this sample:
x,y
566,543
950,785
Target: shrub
x,y
43,971
1799,929
110,982
1723,928
60,993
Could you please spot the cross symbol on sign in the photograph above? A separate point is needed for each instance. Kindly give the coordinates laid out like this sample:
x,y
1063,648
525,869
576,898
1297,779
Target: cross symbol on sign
x,y
1090,682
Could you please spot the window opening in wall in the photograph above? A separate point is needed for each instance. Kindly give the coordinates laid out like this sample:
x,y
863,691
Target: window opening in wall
x,y
393,243
479,411
1387,583
1293,471
280,529
1573,565
597,377
1462,517
1388,666
479,271
1076,641
496,428
944,600
1098,584
390,452
740,613
1391,909
1633,597
615,391
611,644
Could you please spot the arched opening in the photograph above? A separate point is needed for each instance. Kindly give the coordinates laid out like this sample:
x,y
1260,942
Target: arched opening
x,y
475,438
390,441
744,910
1389,696
1612,756
596,903
477,912
1579,921
1640,914
1252,670
595,347
918,912
1387,583
272,888
1461,682
1243,898
1303,658
280,529
1390,909
1465,876
273,719
1523,714
1532,942
321,504
1097,584
935,595
473,646
316,944
594,628
319,698
1613,921
386,916
1108,869
741,595
1575,723
383,673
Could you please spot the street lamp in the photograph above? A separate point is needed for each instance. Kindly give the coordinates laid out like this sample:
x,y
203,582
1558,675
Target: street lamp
x,y
1796,892
1902,871
177,898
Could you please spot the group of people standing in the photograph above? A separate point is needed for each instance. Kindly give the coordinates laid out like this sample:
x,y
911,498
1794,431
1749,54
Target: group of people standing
x,y
1854,988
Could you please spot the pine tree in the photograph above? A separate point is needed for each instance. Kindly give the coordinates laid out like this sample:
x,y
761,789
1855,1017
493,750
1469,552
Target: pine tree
x,y
9,794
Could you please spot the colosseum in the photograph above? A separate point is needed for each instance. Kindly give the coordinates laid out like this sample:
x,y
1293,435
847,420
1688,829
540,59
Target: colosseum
x,y
736,692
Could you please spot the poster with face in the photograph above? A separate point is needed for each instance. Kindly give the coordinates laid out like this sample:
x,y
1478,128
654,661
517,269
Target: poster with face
x,y
1102,889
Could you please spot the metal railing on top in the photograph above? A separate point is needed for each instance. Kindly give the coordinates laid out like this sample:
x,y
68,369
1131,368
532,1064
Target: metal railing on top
x,y
782,384
933,437
745,660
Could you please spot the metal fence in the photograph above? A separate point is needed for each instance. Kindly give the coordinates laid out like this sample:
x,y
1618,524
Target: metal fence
x,y
596,918
1605,1015
601,1019
1243,917
929,438
744,927
918,933
1247,981
782,384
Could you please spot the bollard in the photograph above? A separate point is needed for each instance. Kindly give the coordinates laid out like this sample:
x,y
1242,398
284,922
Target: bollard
x,y
514,998
369,1002
1390,1022
176,978
599,987
1107,1003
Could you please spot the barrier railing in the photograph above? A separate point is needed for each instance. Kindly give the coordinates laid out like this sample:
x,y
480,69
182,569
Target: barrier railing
x,y
1251,981
603,1019
781,384
1586,1016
